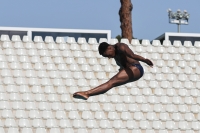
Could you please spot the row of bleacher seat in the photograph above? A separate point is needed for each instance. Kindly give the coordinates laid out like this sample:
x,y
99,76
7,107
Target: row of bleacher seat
x,y
43,48
171,50
182,67
103,124
121,91
140,99
82,82
89,58
125,115
171,97
89,69
75,49
49,39
160,68
54,67
95,130
149,80
52,74
42,105
160,89
76,71
73,112
86,47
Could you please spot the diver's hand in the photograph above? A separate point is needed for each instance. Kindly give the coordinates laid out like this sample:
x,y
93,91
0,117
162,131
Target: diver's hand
x,y
147,61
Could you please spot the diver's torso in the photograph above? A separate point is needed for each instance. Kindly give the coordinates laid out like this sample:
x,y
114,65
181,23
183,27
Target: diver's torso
x,y
124,61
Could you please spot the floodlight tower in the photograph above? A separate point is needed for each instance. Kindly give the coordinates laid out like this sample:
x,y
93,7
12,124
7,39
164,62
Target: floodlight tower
x,y
178,17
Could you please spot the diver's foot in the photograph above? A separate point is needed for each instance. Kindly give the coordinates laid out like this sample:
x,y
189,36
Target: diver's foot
x,y
81,95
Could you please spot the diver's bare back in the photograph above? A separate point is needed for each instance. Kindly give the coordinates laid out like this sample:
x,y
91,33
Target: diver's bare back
x,y
122,60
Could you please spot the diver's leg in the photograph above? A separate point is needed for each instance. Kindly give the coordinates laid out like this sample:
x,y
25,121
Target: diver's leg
x,y
122,77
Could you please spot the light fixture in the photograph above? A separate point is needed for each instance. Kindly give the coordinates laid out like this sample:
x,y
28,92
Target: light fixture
x,y
178,17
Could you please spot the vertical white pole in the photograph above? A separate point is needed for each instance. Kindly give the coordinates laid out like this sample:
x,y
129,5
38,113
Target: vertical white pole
x,y
29,34
109,36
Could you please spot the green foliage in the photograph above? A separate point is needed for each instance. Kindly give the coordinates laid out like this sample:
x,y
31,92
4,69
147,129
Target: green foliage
x,y
118,37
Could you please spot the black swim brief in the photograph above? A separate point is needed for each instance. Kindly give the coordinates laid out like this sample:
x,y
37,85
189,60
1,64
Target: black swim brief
x,y
140,68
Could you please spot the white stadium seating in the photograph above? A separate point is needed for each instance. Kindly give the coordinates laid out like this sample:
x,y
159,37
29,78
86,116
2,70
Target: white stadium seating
x,y
39,77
